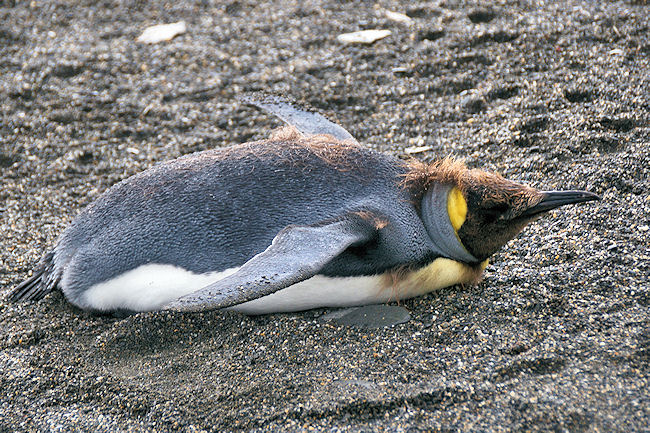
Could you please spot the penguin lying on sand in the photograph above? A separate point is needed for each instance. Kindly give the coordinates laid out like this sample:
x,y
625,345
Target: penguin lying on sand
x,y
305,219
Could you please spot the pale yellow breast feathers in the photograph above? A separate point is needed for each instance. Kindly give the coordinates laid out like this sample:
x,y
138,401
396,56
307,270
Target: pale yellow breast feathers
x,y
436,275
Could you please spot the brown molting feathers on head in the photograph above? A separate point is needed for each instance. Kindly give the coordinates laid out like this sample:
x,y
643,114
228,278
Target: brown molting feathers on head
x,y
421,175
450,171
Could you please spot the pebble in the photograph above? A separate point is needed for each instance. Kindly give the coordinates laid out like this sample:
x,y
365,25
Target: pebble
x,y
399,17
363,37
417,149
162,33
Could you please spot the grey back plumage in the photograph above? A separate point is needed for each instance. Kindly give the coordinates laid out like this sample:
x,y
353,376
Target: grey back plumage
x,y
216,209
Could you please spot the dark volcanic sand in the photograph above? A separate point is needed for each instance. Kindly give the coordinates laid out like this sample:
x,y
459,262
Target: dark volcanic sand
x,y
554,94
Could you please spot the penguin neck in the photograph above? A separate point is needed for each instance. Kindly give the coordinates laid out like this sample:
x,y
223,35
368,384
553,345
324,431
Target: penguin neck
x,y
436,220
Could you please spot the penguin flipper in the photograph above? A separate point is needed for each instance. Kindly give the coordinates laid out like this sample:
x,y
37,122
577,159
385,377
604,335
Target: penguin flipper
x,y
296,254
307,122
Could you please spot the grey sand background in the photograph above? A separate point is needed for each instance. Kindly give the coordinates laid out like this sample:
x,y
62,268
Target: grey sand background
x,y
553,94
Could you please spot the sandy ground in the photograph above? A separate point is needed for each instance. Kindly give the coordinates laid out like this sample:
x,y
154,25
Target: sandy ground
x,y
554,94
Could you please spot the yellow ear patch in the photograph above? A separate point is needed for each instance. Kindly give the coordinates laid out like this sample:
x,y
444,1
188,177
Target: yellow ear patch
x,y
456,208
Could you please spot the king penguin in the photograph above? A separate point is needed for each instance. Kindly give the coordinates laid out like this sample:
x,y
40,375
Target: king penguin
x,y
307,218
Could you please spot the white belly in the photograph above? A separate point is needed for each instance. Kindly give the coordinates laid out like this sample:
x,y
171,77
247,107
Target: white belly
x,y
320,291
146,288
151,287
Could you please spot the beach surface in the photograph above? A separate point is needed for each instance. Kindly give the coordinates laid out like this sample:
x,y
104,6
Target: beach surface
x,y
552,94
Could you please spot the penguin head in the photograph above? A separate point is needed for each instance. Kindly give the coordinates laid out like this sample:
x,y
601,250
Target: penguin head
x,y
487,210
471,214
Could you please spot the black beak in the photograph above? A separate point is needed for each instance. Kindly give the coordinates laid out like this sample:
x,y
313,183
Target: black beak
x,y
554,199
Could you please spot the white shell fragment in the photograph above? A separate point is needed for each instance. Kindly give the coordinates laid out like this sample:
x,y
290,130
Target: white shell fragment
x,y
162,32
417,149
398,17
363,37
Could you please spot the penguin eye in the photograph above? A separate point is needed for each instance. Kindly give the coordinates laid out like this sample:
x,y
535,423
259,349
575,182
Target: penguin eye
x,y
495,212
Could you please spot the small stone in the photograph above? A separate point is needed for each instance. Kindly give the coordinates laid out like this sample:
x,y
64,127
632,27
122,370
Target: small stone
x,y
363,37
417,149
162,32
399,17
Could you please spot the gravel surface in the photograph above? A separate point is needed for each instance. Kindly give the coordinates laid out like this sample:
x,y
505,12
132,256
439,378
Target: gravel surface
x,y
553,94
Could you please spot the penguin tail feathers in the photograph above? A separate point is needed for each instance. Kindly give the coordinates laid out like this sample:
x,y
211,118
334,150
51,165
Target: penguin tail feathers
x,y
42,282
